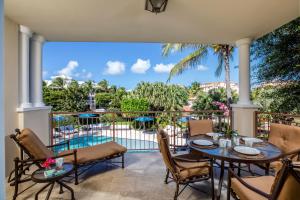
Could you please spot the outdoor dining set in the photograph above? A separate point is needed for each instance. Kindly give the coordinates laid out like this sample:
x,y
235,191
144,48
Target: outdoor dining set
x,y
208,151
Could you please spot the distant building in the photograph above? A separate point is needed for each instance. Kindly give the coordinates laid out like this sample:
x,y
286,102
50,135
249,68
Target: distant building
x,y
214,85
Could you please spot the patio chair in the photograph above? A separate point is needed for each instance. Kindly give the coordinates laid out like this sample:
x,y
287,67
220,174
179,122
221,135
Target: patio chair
x,y
287,138
184,172
199,127
284,186
37,152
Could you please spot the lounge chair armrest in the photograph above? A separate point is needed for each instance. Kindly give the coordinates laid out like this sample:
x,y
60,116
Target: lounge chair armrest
x,y
60,144
231,173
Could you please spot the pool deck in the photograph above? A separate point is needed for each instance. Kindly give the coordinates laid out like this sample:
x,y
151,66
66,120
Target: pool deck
x,y
142,179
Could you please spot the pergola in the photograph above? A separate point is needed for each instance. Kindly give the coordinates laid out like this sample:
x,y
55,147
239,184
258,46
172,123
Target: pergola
x,y
28,24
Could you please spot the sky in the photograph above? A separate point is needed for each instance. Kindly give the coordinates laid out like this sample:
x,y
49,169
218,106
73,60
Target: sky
x,y
124,64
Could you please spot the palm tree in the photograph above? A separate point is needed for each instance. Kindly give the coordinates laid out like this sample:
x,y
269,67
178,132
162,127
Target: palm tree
x,y
200,52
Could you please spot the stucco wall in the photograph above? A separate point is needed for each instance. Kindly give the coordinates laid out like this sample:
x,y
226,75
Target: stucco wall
x,y
10,88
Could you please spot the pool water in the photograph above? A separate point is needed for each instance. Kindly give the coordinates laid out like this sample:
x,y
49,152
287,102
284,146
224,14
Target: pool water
x,y
87,141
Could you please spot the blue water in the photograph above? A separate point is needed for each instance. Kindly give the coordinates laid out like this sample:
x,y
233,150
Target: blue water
x,y
87,141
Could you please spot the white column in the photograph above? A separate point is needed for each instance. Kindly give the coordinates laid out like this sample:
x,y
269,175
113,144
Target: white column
x,y
243,111
24,36
244,71
36,72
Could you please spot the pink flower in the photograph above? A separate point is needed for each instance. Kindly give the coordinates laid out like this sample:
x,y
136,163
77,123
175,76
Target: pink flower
x,y
48,162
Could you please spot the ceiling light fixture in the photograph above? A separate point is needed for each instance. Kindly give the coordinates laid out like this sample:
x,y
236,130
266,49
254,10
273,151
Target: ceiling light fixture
x,y
156,6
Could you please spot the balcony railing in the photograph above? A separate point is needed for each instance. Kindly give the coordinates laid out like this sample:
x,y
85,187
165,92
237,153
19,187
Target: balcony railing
x,y
135,130
263,121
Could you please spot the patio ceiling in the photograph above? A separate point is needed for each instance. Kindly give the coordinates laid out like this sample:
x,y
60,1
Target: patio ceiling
x,y
202,21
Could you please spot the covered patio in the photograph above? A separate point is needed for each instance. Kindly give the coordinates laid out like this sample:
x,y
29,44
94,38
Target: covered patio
x,y
142,178
26,25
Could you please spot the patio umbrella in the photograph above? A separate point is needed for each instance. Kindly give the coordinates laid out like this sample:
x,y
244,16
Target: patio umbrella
x,y
87,115
59,118
184,119
144,119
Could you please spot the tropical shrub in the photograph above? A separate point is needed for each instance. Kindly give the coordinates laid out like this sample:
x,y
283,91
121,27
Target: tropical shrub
x,y
103,99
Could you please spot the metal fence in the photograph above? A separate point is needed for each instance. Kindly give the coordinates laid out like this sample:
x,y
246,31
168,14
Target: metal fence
x,y
263,121
135,130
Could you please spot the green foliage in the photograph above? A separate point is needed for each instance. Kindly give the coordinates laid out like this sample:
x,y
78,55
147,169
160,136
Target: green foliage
x,y
284,98
72,98
205,100
103,99
194,89
75,98
115,103
275,58
134,105
162,97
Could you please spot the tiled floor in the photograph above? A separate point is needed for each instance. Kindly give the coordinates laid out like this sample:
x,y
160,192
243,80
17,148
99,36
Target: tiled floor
x,y
142,178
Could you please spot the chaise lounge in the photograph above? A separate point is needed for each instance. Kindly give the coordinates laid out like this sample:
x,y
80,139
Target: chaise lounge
x,y
37,152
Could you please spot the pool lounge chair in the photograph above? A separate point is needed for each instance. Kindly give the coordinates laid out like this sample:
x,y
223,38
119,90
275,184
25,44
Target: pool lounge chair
x,y
37,152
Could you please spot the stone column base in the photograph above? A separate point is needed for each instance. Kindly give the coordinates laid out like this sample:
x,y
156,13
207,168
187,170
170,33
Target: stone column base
x,y
243,119
37,119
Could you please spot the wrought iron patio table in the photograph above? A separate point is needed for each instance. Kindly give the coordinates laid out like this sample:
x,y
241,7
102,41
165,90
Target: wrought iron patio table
x,y
269,153
38,177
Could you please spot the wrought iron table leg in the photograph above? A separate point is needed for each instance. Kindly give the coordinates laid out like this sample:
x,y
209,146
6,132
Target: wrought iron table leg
x,y
50,190
61,189
68,188
220,181
41,190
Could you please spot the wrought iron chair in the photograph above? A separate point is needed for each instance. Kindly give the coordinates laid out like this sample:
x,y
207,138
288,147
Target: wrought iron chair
x,y
184,172
284,186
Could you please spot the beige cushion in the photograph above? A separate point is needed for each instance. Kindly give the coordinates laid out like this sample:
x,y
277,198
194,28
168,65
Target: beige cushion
x,y
93,153
263,183
191,169
290,190
34,145
286,137
198,127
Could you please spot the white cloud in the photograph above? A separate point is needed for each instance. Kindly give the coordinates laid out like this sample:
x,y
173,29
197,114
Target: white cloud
x,y
141,66
114,68
69,69
162,68
202,68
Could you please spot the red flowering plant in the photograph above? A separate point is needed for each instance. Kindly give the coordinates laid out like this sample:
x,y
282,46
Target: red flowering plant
x,y
223,107
48,162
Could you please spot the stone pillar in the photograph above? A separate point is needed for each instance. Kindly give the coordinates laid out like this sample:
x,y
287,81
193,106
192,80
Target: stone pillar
x,y
243,111
36,72
24,36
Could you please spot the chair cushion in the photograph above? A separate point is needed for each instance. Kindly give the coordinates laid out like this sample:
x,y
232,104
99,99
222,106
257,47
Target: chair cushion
x,y
263,183
93,153
198,127
34,145
290,189
286,137
191,169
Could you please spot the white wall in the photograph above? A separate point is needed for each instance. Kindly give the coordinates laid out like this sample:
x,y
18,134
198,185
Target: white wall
x,y
2,133
11,88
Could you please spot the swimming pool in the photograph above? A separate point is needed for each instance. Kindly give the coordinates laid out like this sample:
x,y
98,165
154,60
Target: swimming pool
x,y
130,144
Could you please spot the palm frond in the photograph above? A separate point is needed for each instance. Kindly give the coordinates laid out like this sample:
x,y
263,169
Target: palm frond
x,y
190,61
219,69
